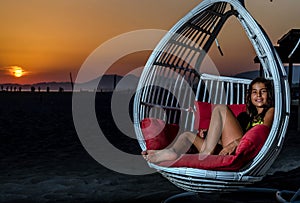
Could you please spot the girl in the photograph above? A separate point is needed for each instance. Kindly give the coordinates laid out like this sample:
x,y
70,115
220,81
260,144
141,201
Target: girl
x,y
224,129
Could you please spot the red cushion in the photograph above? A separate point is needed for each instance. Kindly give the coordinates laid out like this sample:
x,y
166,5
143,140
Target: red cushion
x,y
237,108
203,114
204,109
252,142
157,134
249,147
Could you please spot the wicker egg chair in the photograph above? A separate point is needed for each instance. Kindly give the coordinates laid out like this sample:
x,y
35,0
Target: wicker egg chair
x,y
172,83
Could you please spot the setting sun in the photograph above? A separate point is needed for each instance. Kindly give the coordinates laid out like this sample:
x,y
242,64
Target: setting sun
x,y
17,71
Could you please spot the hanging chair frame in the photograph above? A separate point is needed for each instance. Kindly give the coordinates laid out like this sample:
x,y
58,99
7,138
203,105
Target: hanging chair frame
x,y
213,14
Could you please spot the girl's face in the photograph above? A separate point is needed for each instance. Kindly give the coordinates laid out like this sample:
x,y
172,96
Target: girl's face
x,y
259,96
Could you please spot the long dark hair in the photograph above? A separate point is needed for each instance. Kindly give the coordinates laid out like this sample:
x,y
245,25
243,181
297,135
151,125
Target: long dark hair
x,y
251,109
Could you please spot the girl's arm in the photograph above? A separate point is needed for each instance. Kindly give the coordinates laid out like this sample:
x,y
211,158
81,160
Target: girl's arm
x,y
268,120
269,117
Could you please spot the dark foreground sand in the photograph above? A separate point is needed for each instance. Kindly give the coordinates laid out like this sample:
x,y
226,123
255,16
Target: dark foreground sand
x,y
42,159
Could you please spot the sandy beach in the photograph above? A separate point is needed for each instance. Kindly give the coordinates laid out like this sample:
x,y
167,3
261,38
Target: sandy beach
x,y
43,160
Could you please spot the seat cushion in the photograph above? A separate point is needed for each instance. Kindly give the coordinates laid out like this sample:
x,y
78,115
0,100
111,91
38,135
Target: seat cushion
x,y
249,146
158,134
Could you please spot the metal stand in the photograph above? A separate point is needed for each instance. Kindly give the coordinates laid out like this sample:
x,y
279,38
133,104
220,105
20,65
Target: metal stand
x,y
294,196
242,195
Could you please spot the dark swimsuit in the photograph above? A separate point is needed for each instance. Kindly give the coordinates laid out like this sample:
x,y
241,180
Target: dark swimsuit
x,y
248,122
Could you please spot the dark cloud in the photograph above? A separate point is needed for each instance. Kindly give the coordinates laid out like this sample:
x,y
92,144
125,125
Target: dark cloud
x,y
5,70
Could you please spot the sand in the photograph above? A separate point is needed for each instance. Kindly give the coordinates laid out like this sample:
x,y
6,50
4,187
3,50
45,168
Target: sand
x,y
43,160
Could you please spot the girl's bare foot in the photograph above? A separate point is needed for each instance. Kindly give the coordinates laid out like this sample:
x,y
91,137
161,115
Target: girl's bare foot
x,y
148,152
155,156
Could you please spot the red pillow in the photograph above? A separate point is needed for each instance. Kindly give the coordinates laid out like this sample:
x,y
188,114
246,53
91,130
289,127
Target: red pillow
x,y
203,115
204,110
249,147
158,134
252,142
237,108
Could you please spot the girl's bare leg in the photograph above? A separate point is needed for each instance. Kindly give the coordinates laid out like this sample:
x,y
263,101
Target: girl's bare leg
x,y
160,155
224,128
180,146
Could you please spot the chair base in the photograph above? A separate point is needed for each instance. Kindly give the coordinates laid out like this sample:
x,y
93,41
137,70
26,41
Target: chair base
x,y
242,195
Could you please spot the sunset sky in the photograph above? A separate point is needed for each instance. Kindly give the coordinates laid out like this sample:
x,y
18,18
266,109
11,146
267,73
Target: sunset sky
x,y
49,39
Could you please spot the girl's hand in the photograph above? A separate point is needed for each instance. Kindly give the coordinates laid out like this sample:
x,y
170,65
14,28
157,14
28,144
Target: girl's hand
x,y
203,133
230,148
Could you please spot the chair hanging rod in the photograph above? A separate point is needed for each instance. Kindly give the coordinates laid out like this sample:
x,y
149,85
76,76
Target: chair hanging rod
x,y
242,2
219,47
291,54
